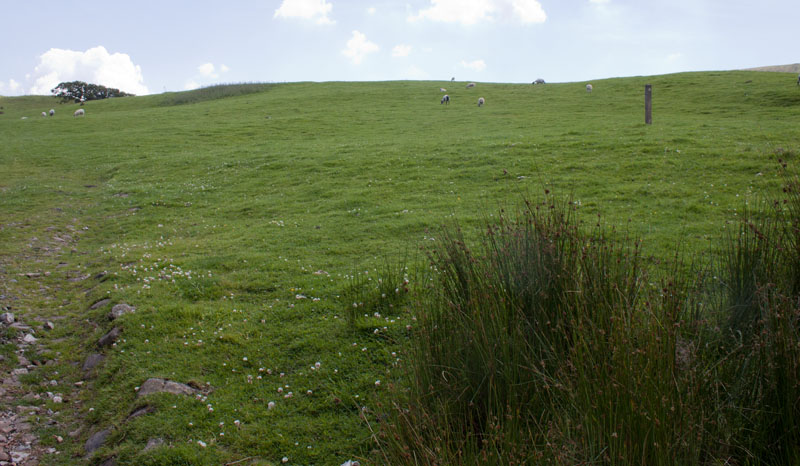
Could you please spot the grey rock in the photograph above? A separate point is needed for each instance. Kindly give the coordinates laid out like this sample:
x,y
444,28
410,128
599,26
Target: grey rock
x,y
28,338
146,409
119,310
20,326
7,318
4,456
11,382
6,427
154,385
99,304
154,443
19,456
96,440
49,325
109,338
92,361
109,462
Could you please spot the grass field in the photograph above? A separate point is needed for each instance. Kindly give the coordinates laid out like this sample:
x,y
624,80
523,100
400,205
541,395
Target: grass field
x,y
237,222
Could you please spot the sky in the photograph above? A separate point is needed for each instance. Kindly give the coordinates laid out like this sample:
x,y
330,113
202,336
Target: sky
x,y
149,47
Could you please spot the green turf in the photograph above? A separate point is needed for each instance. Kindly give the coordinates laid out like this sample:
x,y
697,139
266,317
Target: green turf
x,y
234,222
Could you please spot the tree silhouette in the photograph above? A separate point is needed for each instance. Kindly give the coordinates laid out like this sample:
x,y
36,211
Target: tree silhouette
x,y
80,91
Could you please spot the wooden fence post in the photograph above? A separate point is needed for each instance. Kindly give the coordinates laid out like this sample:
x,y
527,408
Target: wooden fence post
x,y
648,104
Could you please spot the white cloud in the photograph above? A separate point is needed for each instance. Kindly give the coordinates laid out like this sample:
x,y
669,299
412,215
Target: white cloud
x,y
316,10
475,65
95,66
12,86
529,11
599,1
401,50
670,58
468,12
359,47
207,70
190,85
371,10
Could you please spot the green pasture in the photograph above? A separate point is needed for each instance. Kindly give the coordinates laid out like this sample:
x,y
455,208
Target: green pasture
x,y
236,222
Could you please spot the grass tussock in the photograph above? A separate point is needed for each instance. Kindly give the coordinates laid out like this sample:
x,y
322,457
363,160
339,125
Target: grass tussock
x,y
384,290
217,91
551,343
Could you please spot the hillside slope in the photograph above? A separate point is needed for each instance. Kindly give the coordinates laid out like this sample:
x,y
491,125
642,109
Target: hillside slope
x,y
239,226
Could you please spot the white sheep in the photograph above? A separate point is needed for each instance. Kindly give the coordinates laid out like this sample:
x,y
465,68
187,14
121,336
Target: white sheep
x,y
445,100
588,88
52,111
79,112
44,114
441,89
470,85
481,101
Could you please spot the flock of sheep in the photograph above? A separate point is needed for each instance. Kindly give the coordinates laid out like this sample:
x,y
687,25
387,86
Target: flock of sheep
x,y
481,100
446,98
78,112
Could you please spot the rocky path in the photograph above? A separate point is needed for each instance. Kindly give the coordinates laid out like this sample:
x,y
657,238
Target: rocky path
x,y
34,284
19,445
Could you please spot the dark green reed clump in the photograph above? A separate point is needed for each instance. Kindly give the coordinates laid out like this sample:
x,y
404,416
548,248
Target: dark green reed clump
x,y
757,377
217,91
551,342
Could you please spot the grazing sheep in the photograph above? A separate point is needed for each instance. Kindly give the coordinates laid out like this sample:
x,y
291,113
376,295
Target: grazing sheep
x,y
44,114
79,112
481,101
588,88
441,89
470,85
52,112
445,100
539,81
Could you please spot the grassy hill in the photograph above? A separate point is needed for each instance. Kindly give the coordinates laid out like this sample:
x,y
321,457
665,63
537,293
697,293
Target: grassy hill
x,y
236,223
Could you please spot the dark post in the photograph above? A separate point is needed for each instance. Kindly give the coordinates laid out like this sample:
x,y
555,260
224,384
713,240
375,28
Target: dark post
x,y
648,104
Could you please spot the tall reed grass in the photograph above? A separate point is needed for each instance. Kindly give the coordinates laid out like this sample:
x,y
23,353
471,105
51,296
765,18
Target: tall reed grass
x,y
553,343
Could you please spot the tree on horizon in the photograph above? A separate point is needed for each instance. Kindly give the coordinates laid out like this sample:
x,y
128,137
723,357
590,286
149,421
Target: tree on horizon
x,y
80,91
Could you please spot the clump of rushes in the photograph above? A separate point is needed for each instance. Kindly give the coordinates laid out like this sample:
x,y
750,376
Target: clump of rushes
x,y
550,342
515,338
758,347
